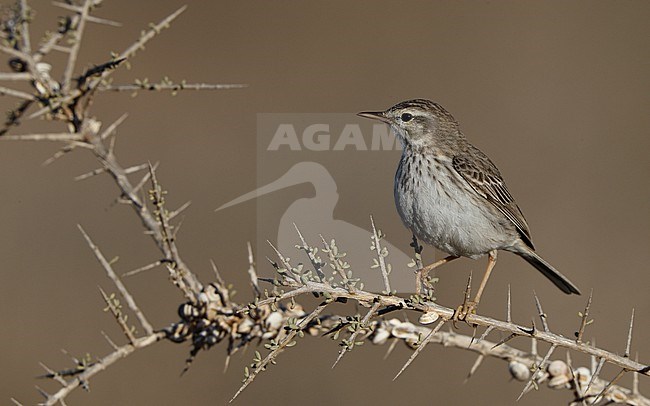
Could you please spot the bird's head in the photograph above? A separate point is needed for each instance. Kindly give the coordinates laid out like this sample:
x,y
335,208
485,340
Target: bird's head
x,y
417,122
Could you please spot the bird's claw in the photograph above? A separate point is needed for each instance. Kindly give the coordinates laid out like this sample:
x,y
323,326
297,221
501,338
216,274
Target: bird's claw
x,y
467,308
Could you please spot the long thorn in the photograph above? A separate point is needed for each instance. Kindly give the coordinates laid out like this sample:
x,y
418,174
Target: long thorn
x,y
111,128
574,380
542,315
475,367
629,336
533,376
252,272
505,340
595,374
180,209
508,307
485,334
392,346
420,347
609,385
143,268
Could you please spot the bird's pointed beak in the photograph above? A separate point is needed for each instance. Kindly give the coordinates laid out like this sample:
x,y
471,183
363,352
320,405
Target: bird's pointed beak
x,y
375,115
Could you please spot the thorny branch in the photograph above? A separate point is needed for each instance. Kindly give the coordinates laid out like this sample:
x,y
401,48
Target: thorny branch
x,y
167,84
209,315
82,377
69,101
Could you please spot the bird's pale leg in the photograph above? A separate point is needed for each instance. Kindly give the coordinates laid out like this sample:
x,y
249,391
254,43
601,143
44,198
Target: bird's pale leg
x,y
468,306
423,273
492,261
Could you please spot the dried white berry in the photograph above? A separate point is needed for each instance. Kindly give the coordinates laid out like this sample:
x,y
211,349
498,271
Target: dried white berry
x,y
519,371
380,336
559,382
406,331
394,322
245,327
274,321
203,297
557,368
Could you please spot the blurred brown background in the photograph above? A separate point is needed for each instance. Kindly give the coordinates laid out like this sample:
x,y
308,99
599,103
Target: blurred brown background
x,y
556,92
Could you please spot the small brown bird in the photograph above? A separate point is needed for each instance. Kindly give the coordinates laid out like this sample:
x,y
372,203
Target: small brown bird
x,y
451,195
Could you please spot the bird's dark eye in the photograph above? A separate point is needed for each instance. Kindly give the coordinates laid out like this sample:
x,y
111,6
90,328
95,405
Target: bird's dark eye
x,y
406,117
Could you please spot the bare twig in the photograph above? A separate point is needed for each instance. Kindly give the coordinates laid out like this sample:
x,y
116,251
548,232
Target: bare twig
x,y
542,315
130,301
150,34
584,320
127,53
185,280
78,32
116,311
5,91
58,137
143,268
89,18
174,87
101,365
24,26
31,65
15,76
55,37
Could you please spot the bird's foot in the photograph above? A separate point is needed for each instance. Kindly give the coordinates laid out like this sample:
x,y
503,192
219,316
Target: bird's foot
x,y
467,308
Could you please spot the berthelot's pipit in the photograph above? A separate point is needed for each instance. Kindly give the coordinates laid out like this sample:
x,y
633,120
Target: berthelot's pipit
x,y
451,195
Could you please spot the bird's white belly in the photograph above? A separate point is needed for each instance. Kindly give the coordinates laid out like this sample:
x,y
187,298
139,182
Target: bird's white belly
x,y
450,219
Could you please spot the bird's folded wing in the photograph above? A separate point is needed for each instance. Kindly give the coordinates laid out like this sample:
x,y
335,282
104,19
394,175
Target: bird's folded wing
x,y
486,180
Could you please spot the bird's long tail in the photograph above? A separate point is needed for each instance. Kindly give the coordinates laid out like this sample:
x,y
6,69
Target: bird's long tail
x,y
545,268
